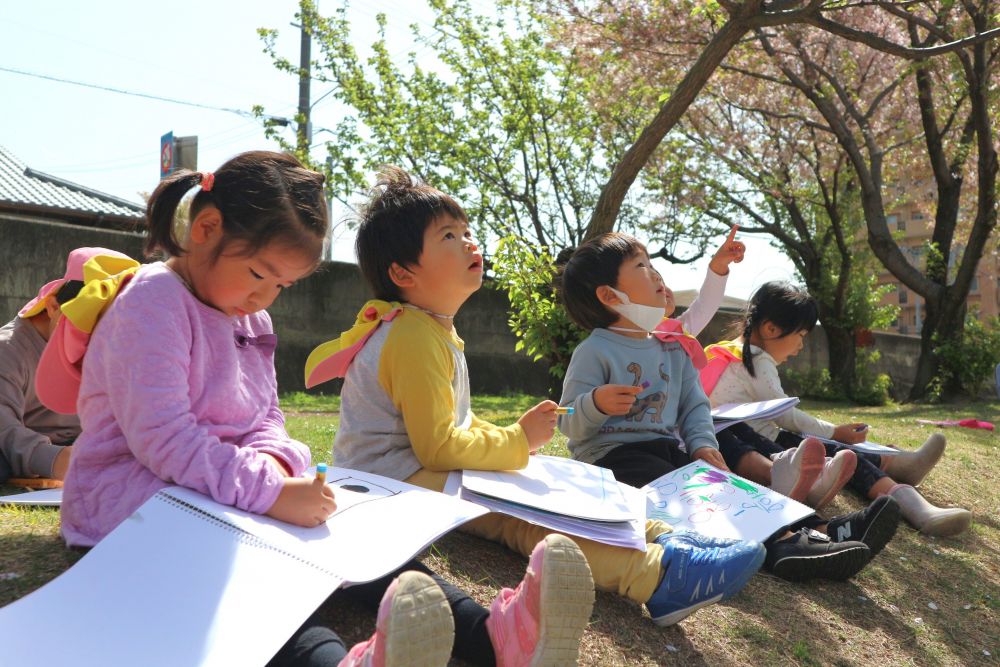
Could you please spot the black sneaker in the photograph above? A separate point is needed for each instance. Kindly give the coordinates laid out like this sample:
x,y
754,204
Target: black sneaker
x,y
874,525
808,554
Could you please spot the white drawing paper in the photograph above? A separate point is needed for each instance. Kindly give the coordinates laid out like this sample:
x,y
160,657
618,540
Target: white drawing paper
x,y
188,581
39,498
556,485
702,498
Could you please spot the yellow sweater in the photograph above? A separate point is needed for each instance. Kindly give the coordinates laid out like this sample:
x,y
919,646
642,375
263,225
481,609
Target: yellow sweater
x,y
405,407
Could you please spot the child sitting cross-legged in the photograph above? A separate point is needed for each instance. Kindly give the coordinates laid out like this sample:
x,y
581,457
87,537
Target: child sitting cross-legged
x,y
636,393
405,410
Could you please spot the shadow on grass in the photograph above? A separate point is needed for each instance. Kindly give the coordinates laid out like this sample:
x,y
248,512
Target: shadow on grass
x,y
28,561
887,606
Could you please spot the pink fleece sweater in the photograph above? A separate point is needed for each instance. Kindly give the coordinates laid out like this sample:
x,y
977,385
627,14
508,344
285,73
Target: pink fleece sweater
x,y
174,392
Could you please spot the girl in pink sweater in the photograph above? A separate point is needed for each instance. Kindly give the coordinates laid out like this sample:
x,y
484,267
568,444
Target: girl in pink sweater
x,y
179,388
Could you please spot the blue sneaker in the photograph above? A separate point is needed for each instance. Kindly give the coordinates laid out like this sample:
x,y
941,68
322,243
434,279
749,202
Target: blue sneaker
x,y
697,539
695,576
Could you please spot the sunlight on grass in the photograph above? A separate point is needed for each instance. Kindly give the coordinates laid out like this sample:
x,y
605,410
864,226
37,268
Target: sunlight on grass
x,y
882,616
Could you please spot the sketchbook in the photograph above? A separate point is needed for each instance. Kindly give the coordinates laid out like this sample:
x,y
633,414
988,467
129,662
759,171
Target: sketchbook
x,y
564,495
188,581
728,414
866,447
40,498
717,503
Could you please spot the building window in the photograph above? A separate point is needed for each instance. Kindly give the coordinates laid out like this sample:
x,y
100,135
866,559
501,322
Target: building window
x,y
917,215
904,296
892,219
900,225
974,285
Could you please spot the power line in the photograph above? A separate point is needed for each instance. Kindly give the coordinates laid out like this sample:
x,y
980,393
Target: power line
x,y
238,112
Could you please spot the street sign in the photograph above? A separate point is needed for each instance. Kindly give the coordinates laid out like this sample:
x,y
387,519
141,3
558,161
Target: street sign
x,y
166,154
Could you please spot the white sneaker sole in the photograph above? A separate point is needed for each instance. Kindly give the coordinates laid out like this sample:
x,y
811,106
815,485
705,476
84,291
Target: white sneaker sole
x,y
419,630
566,601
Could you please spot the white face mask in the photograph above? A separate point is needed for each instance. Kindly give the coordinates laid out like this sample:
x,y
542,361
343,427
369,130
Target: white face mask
x,y
644,317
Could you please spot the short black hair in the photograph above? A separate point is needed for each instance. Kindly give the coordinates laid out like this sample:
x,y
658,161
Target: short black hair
x,y
593,264
786,306
392,223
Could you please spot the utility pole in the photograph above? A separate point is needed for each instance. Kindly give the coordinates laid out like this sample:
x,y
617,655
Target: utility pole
x,y
304,130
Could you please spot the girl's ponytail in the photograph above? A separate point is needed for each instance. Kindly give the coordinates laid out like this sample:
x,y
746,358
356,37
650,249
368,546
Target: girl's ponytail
x,y
748,324
262,196
161,209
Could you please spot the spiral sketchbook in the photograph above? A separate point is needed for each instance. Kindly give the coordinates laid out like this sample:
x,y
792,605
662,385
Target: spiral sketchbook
x,y
561,494
728,414
188,581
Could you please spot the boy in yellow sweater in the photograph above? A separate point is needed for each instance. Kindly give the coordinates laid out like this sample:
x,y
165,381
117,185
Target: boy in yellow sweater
x,y
405,405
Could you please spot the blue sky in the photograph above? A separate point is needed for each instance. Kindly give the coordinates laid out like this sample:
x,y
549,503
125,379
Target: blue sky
x,y
199,51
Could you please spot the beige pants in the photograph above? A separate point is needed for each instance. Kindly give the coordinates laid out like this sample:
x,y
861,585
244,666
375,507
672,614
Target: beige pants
x,y
629,572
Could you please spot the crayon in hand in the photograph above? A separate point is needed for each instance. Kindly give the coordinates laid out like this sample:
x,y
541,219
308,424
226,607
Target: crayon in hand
x,y
645,384
321,472
564,410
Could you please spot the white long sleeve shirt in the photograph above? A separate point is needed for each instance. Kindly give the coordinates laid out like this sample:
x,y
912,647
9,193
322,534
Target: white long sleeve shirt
x,y
737,386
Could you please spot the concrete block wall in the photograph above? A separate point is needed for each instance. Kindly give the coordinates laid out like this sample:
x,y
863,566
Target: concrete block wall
x,y
33,251
318,308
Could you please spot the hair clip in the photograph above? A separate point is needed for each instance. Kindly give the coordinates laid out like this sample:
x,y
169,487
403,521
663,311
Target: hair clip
x,y
207,181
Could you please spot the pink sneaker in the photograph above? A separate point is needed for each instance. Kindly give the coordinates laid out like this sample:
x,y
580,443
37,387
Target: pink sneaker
x,y
836,472
542,620
794,471
414,627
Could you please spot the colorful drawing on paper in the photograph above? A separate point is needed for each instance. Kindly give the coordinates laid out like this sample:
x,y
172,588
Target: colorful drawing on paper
x,y
703,498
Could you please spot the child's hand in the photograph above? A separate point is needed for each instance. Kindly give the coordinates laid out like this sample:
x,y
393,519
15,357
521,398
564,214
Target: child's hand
x,y
710,455
61,464
730,251
851,434
539,423
615,399
303,502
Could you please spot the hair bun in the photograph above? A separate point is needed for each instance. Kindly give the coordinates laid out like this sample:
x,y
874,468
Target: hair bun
x,y
564,255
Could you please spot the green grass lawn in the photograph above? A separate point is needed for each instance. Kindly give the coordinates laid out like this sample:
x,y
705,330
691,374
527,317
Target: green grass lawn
x,y
922,601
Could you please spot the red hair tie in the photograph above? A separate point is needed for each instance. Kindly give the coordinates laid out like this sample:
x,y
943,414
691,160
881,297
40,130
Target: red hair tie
x,y
207,181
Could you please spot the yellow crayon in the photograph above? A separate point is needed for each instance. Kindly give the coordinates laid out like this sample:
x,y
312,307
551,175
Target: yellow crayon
x,y
321,472
567,410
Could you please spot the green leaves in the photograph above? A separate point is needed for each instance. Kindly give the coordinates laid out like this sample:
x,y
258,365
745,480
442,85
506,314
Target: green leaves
x,y
490,113
543,329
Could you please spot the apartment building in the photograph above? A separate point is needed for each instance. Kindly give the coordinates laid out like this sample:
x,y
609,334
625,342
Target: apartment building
x,y
912,221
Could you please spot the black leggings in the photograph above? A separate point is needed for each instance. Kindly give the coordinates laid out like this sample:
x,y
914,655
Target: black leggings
x,y
316,645
639,463
739,440
868,472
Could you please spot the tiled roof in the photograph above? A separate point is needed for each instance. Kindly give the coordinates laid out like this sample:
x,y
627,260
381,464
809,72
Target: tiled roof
x,y
21,186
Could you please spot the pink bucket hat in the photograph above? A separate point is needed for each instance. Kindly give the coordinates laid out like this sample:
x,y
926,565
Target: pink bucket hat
x,y
74,271
57,378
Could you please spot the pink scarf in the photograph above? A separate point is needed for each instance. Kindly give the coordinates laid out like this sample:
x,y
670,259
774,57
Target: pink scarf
x,y
672,330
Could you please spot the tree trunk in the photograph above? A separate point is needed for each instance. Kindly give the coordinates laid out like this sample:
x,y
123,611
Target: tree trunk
x,y
945,320
927,363
610,202
841,347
